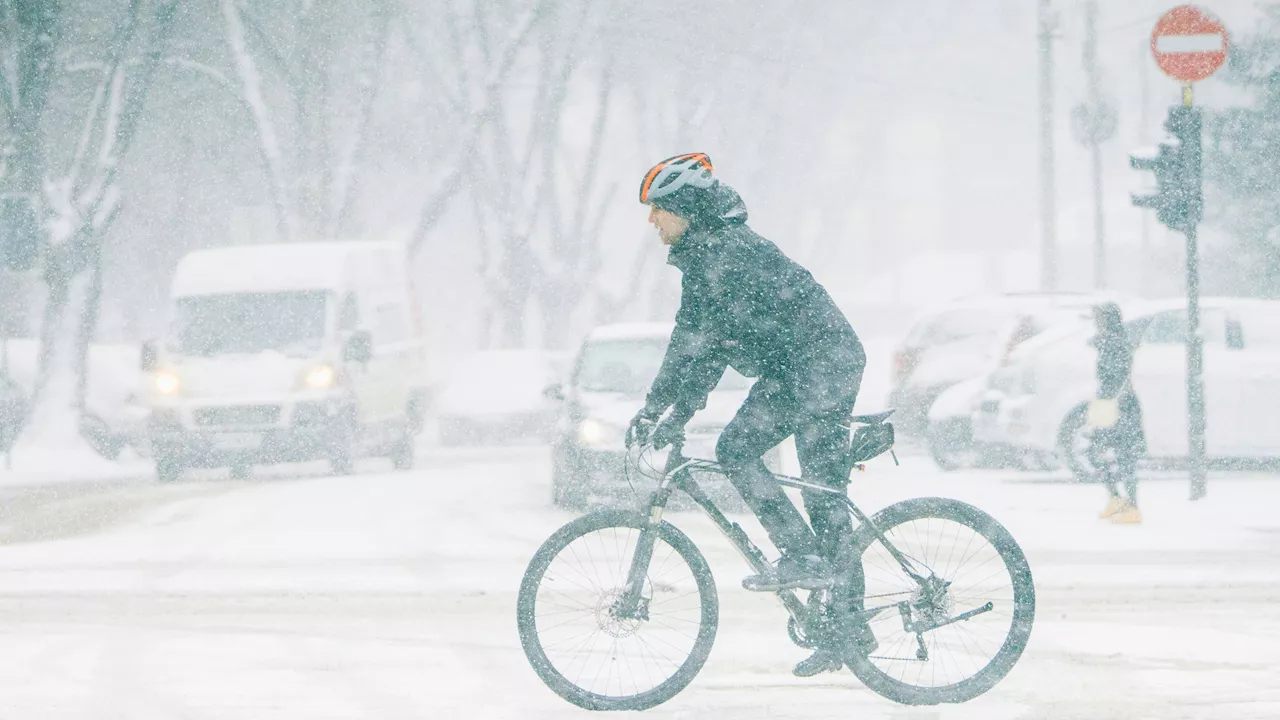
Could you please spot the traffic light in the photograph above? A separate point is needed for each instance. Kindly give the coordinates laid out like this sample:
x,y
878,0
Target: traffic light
x,y
1178,200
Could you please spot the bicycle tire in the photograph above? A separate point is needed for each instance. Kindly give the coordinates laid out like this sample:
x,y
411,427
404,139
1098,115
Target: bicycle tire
x,y
1021,621
526,612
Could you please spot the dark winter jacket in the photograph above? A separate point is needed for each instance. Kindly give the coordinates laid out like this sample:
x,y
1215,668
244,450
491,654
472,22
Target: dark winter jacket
x,y
1115,363
745,305
1115,367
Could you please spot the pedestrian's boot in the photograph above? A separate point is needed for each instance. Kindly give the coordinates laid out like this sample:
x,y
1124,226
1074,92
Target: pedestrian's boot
x,y
1128,516
1114,505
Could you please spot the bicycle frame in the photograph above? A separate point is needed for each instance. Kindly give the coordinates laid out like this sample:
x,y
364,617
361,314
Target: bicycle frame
x,y
677,476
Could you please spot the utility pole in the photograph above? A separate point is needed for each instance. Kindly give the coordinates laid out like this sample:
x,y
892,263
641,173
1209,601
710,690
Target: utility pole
x,y
1144,118
1048,210
1095,146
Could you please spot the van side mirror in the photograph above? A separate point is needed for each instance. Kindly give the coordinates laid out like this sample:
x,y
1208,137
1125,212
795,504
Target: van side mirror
x,y
148,356
359,347
554,391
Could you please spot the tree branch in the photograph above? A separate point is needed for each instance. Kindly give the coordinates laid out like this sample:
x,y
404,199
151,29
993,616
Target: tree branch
x,y
268,49
594,150
433,209
103,113
208,71
429,70
368,94
268,143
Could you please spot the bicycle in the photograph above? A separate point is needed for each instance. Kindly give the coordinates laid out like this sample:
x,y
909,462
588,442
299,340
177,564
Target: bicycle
x,y
645,595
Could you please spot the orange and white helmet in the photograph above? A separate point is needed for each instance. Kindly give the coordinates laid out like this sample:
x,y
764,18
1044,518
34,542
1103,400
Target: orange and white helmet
x,y
668,176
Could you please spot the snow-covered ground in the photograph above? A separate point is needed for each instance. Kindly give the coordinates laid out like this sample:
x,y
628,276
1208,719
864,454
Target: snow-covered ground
x,y
392,596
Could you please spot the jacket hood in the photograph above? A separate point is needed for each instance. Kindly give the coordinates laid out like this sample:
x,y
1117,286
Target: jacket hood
x,y
705,207
721,206
715,208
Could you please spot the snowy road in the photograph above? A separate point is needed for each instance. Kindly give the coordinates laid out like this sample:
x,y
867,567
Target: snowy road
x,y
392,595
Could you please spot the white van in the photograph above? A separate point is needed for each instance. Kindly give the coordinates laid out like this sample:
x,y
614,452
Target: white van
x,y
285,353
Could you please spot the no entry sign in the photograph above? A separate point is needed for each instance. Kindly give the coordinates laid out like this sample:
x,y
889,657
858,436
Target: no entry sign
x,y
1189,43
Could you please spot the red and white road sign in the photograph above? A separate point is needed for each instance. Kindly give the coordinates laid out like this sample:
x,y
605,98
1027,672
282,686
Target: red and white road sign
x,y
1189,43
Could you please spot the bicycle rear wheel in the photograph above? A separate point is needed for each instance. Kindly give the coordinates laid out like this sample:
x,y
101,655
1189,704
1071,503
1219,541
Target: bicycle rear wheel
x,y
575,641
973,569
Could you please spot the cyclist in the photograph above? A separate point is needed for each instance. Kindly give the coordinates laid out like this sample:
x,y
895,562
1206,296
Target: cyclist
x,y
747,305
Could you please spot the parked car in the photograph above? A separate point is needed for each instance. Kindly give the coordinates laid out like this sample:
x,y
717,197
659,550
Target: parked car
x,y
1038,400
109,436
950,437
610,376
497,396
966,339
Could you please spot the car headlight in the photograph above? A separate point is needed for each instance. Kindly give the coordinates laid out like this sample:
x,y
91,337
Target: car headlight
x,y
167,382
320,377
595,433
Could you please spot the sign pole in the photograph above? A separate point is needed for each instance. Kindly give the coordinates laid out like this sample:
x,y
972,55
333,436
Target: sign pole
x,y
1048,193
1195,349
1195,372
1188,44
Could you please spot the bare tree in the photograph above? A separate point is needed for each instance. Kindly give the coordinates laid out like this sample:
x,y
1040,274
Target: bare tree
x,y
76,204
308,50
479,89
311,73
536,190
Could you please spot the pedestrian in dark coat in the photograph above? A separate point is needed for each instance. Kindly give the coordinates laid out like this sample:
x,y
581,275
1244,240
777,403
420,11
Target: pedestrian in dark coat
x,y
1116,448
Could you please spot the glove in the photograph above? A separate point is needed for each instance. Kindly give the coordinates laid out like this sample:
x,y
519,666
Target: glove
x,y
668,432
641,428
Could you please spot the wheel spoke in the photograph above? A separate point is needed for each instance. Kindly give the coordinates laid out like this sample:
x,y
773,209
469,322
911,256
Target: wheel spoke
x,y
584,648
964,569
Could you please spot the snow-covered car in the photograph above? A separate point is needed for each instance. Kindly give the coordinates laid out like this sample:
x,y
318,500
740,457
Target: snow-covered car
x,y
607,386
496,396
968,338
951,440
122,426
1039,398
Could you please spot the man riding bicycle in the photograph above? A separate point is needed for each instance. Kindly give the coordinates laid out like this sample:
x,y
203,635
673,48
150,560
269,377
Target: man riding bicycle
x,y
746,305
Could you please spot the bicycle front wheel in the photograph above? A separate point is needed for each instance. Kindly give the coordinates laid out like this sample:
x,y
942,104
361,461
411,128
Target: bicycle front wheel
x,y
969,620
577,643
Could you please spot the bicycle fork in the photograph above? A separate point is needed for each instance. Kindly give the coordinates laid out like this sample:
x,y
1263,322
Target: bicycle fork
x,y
632,605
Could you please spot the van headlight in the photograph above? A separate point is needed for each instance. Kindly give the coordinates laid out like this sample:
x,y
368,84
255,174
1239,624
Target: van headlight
x,y
320,377
167,382
595,433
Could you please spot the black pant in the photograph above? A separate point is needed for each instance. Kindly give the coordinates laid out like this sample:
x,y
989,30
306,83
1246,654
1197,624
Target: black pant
x,y
1115,451
812,406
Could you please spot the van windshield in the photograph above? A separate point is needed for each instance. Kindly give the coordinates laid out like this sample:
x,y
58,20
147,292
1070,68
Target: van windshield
x,y
289,322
